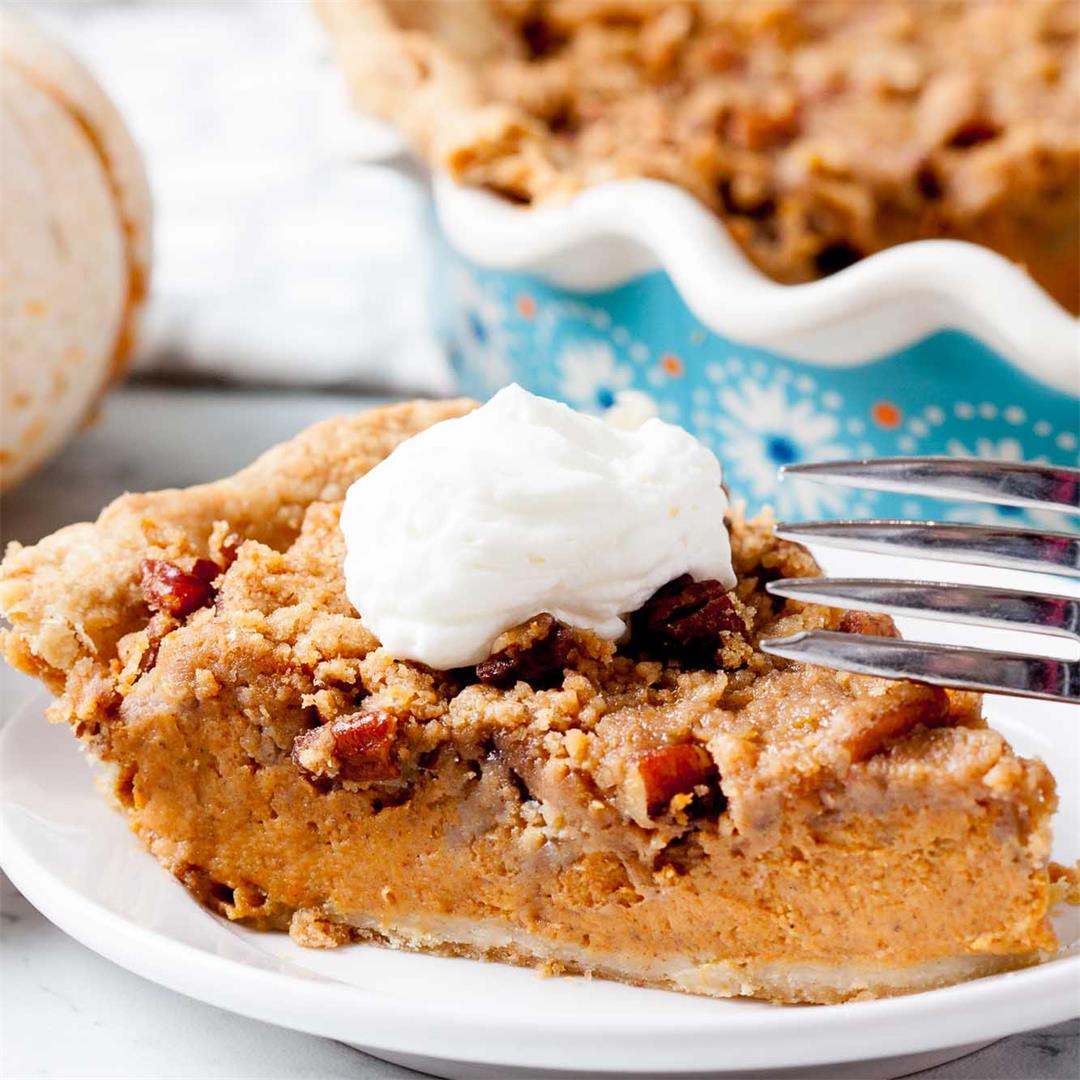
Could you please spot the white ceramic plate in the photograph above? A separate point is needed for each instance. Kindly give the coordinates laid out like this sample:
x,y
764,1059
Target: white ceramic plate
x,y
74,859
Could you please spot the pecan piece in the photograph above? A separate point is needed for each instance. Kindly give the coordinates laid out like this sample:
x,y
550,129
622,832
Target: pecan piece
x,y
684,619
174,591
760,129
157,629
928,182
357,747
973,132
658,776
538,658
540,37
864,733
867,622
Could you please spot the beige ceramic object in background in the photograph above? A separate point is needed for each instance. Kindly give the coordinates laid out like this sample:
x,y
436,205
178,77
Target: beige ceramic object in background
x,y
74,246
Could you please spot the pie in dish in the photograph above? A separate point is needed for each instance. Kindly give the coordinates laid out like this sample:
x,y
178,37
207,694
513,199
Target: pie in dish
x,y
820,132
675,810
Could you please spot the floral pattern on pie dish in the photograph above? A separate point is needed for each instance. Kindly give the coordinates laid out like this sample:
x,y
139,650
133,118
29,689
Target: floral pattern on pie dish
x,y
758,409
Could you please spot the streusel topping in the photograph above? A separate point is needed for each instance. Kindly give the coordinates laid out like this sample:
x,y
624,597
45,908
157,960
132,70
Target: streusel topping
x,y
821,132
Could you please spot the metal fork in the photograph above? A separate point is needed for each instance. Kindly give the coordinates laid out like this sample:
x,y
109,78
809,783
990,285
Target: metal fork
x,y
1005,483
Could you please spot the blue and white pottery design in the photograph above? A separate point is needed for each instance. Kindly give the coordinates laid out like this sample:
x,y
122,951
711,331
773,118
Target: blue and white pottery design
x,y
933,347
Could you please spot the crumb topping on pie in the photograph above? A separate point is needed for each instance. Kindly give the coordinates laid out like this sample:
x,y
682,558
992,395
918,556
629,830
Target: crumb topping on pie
x,y
820,132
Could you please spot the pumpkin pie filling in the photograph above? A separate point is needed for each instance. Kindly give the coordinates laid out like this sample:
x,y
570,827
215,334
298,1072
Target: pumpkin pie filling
x,y
673,808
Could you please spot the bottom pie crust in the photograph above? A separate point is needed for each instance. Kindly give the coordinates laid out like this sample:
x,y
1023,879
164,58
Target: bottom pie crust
x,y
772,981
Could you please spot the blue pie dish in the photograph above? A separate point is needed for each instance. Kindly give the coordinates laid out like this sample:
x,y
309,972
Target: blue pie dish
x,y
931,347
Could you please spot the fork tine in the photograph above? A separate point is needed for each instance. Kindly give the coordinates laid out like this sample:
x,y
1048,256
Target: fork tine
x,y
982,605
981,545
942,665
1040,487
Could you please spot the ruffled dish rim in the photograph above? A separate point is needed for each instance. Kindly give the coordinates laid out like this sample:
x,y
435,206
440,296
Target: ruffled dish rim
x,y
612,233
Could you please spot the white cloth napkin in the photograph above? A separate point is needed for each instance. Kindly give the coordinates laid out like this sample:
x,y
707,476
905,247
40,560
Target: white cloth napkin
x,y
291,238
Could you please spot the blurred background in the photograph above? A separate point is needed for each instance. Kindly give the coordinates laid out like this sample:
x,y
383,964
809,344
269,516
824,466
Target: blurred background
x,y
291,255
290,240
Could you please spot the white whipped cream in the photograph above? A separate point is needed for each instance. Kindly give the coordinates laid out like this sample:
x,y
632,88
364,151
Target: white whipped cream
x,y
521,507
631,409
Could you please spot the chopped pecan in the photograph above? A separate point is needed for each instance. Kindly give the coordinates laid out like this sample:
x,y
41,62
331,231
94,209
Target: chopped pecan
x,y
206,570
358,747
928,182
973,132
174,591
224,545
684,620
865,731
157,629
538,658
540,37
761,129
658,776
866,622
364,743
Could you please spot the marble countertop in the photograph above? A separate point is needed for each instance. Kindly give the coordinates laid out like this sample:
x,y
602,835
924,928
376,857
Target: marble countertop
x,y
65,1012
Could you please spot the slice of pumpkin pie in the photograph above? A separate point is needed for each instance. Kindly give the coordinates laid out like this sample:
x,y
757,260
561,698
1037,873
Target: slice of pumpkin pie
x,y
548,737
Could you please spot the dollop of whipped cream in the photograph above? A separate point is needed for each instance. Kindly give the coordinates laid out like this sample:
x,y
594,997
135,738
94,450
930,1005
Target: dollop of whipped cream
x,y
521,507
